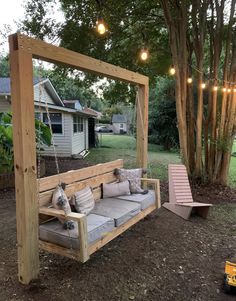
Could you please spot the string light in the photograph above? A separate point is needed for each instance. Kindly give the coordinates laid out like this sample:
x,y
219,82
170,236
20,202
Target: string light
x,y
100,26
144,54
189,80
215,88
172,70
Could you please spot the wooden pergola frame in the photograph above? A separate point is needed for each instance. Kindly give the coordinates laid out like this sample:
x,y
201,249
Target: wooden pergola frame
x,y
22,50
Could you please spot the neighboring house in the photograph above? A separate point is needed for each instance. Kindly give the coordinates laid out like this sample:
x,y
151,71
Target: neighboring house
x,y
70,125
119,124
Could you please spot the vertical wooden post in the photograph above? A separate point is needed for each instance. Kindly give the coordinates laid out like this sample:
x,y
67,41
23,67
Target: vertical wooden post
x,y
22,97
142,125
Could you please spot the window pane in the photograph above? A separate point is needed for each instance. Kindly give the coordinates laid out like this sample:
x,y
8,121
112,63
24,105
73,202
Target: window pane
x,y
55,117
75,128
57,128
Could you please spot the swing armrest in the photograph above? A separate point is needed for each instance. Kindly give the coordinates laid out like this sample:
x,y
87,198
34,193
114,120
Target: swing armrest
x,y
156,183
61,214
150,180
82,222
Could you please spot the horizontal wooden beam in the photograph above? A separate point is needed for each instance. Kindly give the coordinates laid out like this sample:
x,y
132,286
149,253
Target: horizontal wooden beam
x,y
58,55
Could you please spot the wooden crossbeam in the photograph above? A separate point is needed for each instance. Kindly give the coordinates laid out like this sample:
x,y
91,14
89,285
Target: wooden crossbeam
x,y
58,55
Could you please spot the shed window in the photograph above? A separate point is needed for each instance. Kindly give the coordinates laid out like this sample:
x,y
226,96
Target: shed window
x,y
78,125
56,122
121,125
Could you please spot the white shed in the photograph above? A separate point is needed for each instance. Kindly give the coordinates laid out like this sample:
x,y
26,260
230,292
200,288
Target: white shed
x,y
119,124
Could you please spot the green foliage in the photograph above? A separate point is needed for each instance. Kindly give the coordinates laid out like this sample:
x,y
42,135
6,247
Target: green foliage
x,y
43,137
6,146
162,114
4,66
108,113
131,26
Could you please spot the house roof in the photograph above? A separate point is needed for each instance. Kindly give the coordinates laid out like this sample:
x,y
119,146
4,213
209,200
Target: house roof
x,y
91,112
63,109
119,118
5,85
5,88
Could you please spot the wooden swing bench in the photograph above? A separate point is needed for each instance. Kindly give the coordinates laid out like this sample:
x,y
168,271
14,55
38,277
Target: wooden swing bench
x,y
102,225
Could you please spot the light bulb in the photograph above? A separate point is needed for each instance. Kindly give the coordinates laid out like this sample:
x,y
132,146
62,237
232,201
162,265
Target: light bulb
x,y
224,89
189,80
234,90
203,85
101,28
144,54
172,71
229,90
215,88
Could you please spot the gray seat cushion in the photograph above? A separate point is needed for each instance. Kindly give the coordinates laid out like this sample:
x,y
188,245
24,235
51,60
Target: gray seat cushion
x,y
120,210
145,200
97,226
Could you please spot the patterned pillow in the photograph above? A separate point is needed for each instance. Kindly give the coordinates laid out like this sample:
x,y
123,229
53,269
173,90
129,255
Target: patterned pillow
x,y
133,176
116,189
84,200
60,201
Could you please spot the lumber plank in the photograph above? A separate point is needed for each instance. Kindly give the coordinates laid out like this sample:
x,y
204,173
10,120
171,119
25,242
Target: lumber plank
x,y
83,238
24,163
52,248
61,214
58,55
142,126
69,177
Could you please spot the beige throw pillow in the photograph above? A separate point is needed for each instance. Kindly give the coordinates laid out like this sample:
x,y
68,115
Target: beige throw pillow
x,y
116,189
84,200
133,176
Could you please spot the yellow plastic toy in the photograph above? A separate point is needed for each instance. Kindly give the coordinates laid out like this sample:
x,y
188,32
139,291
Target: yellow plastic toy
x,y
230,276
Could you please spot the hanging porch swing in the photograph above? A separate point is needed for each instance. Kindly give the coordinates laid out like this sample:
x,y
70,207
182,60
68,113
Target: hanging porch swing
x,y
33,208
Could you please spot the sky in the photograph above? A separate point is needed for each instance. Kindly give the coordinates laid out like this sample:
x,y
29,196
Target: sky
x,y
11,10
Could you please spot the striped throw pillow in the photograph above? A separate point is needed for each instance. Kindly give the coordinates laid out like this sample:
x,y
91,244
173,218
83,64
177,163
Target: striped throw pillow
x,y
84,200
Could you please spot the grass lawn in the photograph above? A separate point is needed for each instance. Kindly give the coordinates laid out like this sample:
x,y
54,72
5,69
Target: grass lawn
x,y
116,146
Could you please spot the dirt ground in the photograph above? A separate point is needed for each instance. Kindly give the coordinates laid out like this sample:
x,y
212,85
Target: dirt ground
x,y
162,258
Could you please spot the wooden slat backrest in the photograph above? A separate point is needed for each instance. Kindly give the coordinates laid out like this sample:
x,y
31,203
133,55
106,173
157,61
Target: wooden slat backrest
x,y
72,176
179,188
92,176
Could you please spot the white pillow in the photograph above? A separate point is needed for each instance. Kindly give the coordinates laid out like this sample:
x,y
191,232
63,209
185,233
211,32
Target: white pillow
x,y
116,189
84,200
